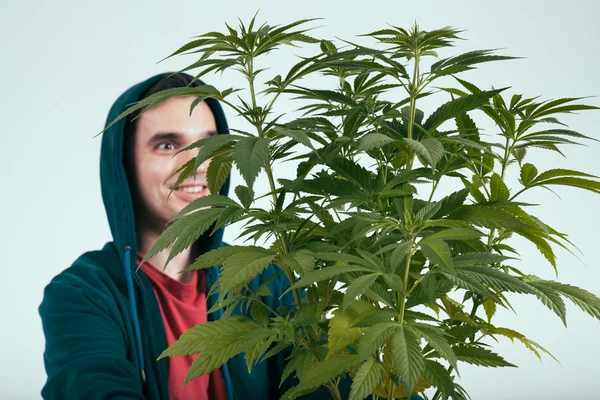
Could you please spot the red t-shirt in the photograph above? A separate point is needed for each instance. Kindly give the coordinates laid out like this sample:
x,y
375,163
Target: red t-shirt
x,y
183,305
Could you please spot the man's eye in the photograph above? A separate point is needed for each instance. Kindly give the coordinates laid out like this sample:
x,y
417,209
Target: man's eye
x,y
165,143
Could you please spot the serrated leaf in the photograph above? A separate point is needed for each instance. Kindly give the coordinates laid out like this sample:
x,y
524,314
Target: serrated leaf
x,y
240,268
342,332
458,106
218,171
437,341
183,232
365,380
528,173
407,355
488,217
374,338
585,300
301,362
498,189
325,370
439,377
215,257
551,298
357,287
327,273
489,307
478,258
429,151
215,341
250,155
496,278
456,234
373,141
480,356
245,195
438,252
212,200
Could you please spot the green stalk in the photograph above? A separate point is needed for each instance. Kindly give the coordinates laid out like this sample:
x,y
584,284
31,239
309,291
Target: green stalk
x,y
283,241
335,391
391,390
402,297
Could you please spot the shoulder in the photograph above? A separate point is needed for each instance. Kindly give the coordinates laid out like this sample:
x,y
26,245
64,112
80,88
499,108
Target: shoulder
x,y
90,275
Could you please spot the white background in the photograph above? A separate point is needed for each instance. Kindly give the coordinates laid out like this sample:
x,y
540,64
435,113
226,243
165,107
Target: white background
x,y
64,63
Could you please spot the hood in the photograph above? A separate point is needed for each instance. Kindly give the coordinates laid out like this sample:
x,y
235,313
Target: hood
x,y
116,193
118,201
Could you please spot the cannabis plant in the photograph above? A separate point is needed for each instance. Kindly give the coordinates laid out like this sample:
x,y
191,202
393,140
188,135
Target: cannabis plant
x,y
391,287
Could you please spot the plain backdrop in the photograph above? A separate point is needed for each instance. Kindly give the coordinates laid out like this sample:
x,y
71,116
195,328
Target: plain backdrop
x,y
64,63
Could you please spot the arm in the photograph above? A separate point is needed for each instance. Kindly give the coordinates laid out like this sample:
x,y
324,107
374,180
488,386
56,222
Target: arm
x,y
85,354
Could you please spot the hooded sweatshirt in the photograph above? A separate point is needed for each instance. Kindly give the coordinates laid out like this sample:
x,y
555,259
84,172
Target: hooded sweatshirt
x,y
101,318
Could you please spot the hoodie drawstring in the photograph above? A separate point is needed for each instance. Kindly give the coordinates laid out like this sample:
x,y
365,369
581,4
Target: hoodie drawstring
x,y
136,323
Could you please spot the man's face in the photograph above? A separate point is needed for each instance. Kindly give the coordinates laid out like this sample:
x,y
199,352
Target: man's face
x,y
161,132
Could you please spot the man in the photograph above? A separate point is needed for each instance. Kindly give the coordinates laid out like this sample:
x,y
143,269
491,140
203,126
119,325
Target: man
x,y
106,321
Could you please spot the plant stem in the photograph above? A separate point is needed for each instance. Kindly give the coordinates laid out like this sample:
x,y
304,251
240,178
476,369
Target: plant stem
x,y
283,241
391,390
402,297
433,187
413,97
334,390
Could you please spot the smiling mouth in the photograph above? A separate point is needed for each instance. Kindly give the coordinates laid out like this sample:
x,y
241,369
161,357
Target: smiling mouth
x,y
191,189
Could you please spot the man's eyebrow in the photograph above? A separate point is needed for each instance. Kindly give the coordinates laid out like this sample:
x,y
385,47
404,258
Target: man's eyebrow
x,y
161,136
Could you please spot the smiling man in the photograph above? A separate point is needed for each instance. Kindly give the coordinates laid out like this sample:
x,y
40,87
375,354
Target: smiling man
x,y
106,321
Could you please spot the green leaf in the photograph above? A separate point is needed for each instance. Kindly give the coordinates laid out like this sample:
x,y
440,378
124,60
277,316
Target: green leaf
x,y
585,300
373,141
429,150
327,273
216,257
250,155
218,170
245,195
488,217
480,356
325,370
215,341
438,252
489,307
344,257
342,332
437,341
365,380
496,278
551,298
183,232
357,287
301,362
478,258
458,106
228,216
439,377
561,172
528,173
240,268
374,338
587,184
499,191
456,234
202,91
407,356
212,200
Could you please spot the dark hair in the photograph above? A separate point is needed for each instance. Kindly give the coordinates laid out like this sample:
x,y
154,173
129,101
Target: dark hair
x,y
168,81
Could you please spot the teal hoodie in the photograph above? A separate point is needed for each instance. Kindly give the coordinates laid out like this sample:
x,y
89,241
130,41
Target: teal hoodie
x,y
101,320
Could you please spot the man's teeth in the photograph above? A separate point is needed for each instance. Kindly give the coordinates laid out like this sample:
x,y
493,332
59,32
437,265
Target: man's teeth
x,y
192,189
